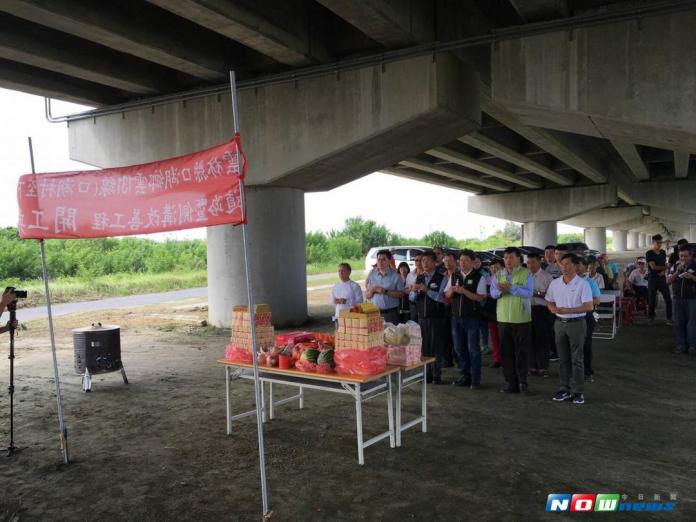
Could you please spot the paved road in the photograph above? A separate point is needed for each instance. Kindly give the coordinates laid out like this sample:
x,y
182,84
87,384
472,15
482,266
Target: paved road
x,y
26,314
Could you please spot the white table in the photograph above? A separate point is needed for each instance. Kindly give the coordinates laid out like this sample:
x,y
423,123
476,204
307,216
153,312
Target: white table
x,y
406,377
360,388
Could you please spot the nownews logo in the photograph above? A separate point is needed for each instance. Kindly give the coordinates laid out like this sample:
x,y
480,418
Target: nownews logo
x,y
605,502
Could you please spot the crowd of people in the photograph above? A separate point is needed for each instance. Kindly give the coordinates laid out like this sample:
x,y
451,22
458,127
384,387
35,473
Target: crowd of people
x,y
532,313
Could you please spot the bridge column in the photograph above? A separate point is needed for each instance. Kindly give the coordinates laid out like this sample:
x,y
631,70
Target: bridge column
x,y
620,237
539,233
632,240
596,238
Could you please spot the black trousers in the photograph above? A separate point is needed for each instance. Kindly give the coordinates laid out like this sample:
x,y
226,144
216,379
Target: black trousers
x,y
433,334
542,338
448,342
587,349
658,284
515,339
391,316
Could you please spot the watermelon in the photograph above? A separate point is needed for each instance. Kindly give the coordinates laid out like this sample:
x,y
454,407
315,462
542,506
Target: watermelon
x,y
326,357
310,355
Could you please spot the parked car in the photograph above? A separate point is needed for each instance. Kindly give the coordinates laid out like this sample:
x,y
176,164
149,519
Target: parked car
x,y
400,253
579,248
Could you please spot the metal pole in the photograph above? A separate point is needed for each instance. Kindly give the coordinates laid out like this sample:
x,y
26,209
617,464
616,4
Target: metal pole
x,y
61,422
252,315
13,317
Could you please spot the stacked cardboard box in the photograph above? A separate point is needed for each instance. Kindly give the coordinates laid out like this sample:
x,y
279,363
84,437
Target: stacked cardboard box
x,y
241,327
360,330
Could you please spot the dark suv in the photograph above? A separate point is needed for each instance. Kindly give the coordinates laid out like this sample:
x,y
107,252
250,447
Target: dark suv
x,y
578,248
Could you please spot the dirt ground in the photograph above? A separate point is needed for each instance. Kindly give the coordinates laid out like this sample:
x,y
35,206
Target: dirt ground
x,y
157,450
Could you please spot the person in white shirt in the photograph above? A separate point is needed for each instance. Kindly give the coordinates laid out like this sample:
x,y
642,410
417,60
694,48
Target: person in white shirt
x,y
345,293
570,298
542,320
638,278
408,286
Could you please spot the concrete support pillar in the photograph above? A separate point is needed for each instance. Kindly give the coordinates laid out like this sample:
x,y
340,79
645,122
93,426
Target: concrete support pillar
x,y
692,233
277,256
620,240
648,240
596,238
632,240
539,233
641,240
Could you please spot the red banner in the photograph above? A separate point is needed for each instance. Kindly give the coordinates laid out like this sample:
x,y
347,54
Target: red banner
x,y
202,189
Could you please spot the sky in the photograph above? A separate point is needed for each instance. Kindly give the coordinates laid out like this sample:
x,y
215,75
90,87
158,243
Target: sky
x,y
389,200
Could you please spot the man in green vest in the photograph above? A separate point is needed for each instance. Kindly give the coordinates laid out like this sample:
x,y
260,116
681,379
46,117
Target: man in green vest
x,y
513,289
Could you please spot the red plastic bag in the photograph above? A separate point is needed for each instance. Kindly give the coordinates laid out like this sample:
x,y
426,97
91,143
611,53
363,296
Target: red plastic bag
x,y
306,366
238,354
361,362
324,368
293,338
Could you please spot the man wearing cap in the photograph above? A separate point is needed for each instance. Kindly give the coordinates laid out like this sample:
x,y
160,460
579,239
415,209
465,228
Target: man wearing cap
x,y
570,299
657,282
385,287
638,279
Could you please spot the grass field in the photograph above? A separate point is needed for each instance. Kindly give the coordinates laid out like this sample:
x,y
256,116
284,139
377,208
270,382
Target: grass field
x,y
68,289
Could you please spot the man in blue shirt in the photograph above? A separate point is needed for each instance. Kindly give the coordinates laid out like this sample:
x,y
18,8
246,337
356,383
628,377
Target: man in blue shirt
x,y
385,287
430,302
589,317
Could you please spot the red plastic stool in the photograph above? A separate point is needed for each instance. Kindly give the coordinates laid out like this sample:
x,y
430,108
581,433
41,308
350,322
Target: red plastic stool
x,y
627,304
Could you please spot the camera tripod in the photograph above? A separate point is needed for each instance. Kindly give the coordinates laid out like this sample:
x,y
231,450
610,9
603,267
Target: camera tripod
x,y
12,307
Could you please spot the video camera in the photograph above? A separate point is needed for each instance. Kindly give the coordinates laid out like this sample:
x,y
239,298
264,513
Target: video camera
x,y
19,294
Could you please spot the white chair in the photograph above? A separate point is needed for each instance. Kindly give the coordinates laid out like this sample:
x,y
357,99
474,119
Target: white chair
x,y
607,309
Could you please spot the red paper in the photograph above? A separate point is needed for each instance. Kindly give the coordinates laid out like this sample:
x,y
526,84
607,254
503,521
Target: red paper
x,y
197,190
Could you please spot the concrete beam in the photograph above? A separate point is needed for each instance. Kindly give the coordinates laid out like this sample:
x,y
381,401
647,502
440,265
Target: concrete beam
x,y
637,223
178,45
480,166
257,32
458,175
681,164
38,46
562,147
569,81
392,23
679,195
629,153
672,215
20,77
544,205
605,217
431,179
316,135
486,144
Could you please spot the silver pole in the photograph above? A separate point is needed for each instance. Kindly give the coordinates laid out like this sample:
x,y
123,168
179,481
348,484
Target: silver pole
x,y
252,315
61,421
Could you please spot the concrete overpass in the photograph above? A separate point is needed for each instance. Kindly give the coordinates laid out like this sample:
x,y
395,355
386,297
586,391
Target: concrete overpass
x,y
547,110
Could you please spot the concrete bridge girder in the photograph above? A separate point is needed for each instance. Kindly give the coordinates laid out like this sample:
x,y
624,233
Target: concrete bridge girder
x,y
545,81
557,204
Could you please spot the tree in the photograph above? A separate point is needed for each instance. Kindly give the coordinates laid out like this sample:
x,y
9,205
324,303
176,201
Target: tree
x,y
512,231
439,237
368,233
